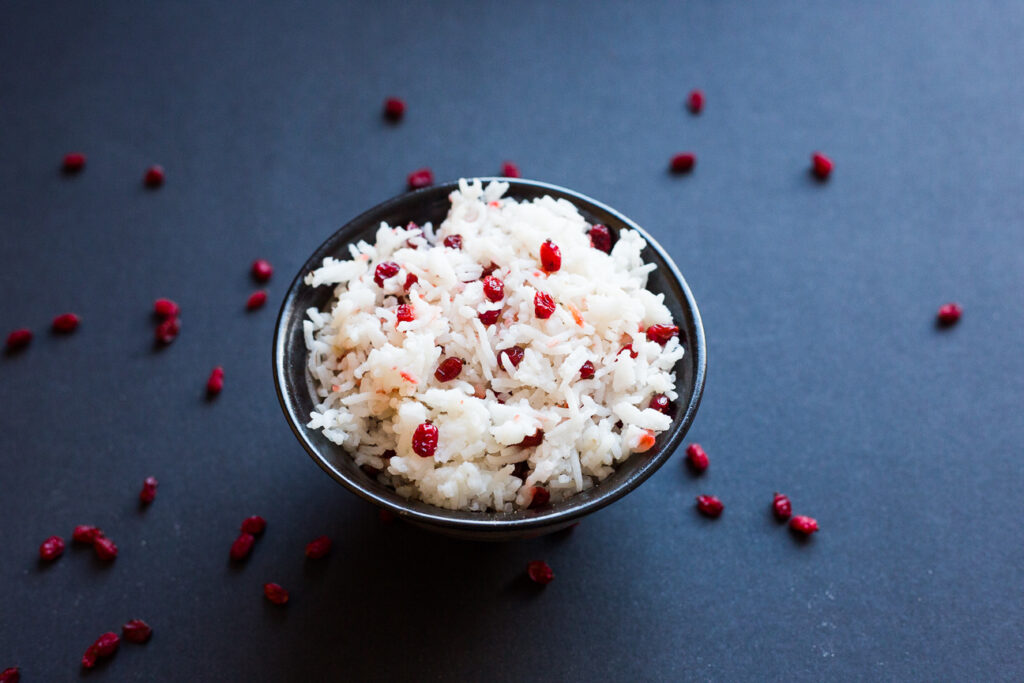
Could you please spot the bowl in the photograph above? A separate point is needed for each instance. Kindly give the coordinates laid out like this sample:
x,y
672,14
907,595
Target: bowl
x,y
296,394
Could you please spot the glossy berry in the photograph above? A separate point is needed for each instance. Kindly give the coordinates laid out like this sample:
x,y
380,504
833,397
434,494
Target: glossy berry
x,y
11,674
394,109
51,548
165,308
697,457
256,300
533,440
709,506
424,440
540,572
148,493
949,314
490,317
422,177
167,331
662,333
65,323
587,370
543,305
254,525
550,257
509,170
514,354
540,498
695,102
628,348
781,507
19,339
494,289
489,270
275,593
73,162
105,646
104,548
242,546
404,313
821,166
318,547
85,534
803,525
410,280
136,631
448,369
600,238
154,176
683,162
453,241
215,382
660,403
383,271
262,270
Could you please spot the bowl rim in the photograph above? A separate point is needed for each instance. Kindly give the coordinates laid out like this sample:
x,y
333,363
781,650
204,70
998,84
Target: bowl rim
x,y
438,516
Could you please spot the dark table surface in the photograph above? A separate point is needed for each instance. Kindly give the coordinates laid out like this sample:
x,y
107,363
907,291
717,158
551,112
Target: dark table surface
x,y
827,376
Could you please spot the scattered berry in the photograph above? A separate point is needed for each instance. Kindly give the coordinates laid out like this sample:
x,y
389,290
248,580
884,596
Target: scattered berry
x,y
275,593
104,646
509,170
695,102
494,289
533,440
540,572
781,507
660,403
424,440
65,323
540,497
154,176
420,178
709,506
85,534
167,331
394,109
262,270
697,457
662,333
242,546
448,369
543,305
256,300
51,548
148,492
10,675
104,548
318,547
550,257
453,241
404,313
490,317
949,314
628,348
410,280
600,238
254,525
18,339
136,631
821,166
215,383
514,354
73,162
587,370
165,308
683,162
803,525
383,271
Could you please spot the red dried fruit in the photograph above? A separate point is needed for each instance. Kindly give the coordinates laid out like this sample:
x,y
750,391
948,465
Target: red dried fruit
x,y
781,507
697,458
165,308
318,547
18,339
587,370
104,646
85,534
695,101
550,257
422,177
383,271
629,349
254,525
490,317
148,492
154,176
73,162
540,497
802,524
453,241
394,109
168,330
540,572
532,440
275,593
543,305
10,675
662,333
215,383
404,313
514,354
660,403
448,369
600,238
489,269
136,631
410,280
262,270
949,314
242,546
509,170
424,440
51,548
65,323
494,289
256,300
821,166
709,506
104,548
683,162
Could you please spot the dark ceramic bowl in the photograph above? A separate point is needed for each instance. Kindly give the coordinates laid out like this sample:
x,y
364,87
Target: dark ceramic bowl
x,y
295,386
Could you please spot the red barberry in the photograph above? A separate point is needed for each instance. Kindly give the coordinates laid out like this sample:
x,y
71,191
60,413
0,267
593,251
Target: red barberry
x,y
600,238
422,177
154,176
104,646
18,339
543,305
662,333
410,280
424,440
540,572
490,317
148,492
533,440
489,269
587,370
136,631
51,548
448,369
540,497
949,314
550,257
660,403
697,457
65,323
628,348
275,593
494,289
404,313
318,547
514,354
165,308
683,162
85,534
73,162
821,166
104,548
509,170
10,675
709,506
385,270
215,382
695,101
256,300
168,330
254,525
262,270
781,507
242,546
803,525
394,109
453,241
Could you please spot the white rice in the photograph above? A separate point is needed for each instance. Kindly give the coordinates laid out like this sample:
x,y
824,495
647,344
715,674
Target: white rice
x,y
375,380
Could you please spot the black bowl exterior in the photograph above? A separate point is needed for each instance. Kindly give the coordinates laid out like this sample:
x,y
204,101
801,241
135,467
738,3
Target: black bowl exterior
x,y
296,394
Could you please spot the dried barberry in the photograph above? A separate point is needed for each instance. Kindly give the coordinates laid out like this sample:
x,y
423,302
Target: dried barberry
x,y
262,270
65,323
51,548
85,534
19,339
256,300
154,176
803,525
215,382
587,370
254,525
385,270
105,646
509,170
136,631
242,546
148,492
949,314
453,241
821,166
683,162
73,162
540,572
275,593
695,102
660,403
662,333
104,548
543,305
448,369
697,457
165,308
710,506
782,508
550,257
167,331
424,440
600,238
494,289
422,177
490,317
514,354
318,547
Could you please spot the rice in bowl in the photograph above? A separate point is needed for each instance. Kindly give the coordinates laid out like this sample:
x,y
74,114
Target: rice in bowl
x,y
555,367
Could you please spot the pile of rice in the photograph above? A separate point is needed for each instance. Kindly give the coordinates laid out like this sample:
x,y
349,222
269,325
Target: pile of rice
x,y
374,376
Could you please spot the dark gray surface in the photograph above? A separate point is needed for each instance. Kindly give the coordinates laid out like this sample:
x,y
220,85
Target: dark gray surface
x,y
827,378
